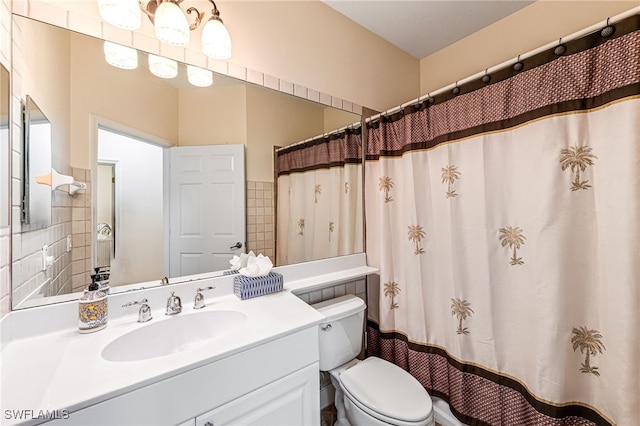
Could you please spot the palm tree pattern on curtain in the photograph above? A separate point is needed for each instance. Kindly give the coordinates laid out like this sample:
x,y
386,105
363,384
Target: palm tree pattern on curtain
x,y
416,234
391,289
588,341
301,226
331,227
346,187
317,191
577,158
512,237
516,138
450,174
461,309
385,185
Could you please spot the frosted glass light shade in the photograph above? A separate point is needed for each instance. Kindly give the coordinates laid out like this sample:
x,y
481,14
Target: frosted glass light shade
x,y
199,76
120,56
216,42
162,67
171,24
121,13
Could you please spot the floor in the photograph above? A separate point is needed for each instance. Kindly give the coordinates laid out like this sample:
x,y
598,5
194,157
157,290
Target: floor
x,y
328,416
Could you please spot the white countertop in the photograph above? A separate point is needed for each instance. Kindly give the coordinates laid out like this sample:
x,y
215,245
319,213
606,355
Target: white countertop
x,y
65,370
46,364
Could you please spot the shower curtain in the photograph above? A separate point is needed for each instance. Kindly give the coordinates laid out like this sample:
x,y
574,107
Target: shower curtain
x,y
319,193
505,222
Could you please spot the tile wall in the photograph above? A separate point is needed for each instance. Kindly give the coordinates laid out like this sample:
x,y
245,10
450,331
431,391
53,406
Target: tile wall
x,y
5,233
260,218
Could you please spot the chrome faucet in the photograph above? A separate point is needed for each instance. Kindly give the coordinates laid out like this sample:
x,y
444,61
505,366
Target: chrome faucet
x,y
174,304
198,303
144,314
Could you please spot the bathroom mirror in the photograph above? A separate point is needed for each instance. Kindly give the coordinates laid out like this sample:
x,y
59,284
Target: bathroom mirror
x,y
90,95
4,147
36,201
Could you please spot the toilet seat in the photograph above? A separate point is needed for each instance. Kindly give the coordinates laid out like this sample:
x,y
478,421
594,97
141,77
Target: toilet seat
x,y
387,392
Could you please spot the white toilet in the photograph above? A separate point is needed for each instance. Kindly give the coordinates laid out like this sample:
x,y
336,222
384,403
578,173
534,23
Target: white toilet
x,y
372,391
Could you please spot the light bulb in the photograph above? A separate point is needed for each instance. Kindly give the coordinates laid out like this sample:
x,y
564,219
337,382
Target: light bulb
x,y
121,13
199,76
216,42
162,67
171,24
120,56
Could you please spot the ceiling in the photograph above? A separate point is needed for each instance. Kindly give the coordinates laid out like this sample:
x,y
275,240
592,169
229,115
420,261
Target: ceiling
x,y
422,27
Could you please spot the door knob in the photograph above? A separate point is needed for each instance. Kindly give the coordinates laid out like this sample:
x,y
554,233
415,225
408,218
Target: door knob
x,y
237,246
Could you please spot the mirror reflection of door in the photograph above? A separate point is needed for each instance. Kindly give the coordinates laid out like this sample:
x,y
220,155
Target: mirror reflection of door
x,y
105,214
171,211
138,207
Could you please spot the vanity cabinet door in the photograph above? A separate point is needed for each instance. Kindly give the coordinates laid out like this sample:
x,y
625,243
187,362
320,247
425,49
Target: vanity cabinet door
x,y
293,400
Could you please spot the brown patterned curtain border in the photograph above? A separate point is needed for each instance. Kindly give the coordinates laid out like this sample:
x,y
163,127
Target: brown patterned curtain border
x,y
334,150
549,84
446,377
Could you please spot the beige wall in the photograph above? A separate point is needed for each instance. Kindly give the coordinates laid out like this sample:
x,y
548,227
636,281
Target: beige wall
x,y
531,27
216,115
303,42
128,97
47,80
308,43
276,119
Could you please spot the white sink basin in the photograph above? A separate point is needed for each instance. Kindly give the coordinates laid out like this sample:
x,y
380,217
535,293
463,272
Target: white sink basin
x,y
173,334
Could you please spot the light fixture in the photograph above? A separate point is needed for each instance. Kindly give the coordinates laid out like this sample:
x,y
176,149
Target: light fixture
x,y
216,41
162,67
170,23
120,56
199,76
121,13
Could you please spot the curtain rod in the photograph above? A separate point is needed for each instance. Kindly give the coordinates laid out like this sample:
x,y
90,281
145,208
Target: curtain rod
x,y
352,126
613,20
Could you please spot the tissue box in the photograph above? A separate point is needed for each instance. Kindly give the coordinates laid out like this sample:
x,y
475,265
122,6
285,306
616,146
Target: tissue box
x,y
248,287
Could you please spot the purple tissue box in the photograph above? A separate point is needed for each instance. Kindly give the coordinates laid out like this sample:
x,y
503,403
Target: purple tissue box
x,y
248,287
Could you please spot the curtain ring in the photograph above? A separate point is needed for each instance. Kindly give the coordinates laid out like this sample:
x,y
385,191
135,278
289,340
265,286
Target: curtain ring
x,y
430,98
560,48
486,78
518,66
608,30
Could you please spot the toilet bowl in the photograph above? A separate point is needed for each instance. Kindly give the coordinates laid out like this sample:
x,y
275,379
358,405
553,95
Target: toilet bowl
x,y
373,391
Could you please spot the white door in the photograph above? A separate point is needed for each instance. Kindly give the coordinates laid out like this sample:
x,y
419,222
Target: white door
x,y
207,208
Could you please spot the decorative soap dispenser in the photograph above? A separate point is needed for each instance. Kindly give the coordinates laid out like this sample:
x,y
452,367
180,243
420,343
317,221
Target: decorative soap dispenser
x,y
102,279
93,309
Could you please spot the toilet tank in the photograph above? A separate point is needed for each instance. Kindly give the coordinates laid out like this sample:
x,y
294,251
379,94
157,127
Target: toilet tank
x,y
341,333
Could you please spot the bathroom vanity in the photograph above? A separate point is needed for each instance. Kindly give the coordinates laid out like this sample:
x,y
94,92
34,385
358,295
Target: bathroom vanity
x,y
234,361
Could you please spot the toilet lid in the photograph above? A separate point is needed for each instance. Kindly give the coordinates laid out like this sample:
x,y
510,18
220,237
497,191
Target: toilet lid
x,y
387,389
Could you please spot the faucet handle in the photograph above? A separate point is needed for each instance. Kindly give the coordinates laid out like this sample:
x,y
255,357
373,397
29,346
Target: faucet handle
x,y
198,303
144,314
174,304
